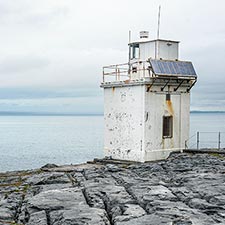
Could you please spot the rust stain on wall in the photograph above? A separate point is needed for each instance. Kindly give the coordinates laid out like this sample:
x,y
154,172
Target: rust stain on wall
x,y
170,107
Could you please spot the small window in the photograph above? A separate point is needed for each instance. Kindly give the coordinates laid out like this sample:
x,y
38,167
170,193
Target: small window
x,y
134,69
167,97
135,51
167,127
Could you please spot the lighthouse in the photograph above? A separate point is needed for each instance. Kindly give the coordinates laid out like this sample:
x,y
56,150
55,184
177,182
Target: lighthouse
x,y
147,101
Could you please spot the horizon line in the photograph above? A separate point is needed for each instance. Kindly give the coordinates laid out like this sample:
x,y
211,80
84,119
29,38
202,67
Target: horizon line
x,y
21,113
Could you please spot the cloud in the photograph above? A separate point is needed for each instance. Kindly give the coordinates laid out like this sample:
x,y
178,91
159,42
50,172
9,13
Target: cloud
x,y
25,12
22,64
78,105
50,46
44,93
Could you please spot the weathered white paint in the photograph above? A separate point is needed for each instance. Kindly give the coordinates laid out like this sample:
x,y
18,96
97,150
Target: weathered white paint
x,y
123,115
134,122
156,107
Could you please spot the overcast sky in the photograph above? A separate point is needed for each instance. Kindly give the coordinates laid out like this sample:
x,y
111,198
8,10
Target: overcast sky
x,y
52,51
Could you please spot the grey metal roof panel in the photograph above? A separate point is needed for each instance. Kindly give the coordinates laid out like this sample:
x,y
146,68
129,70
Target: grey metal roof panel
x,y
147,40
172,68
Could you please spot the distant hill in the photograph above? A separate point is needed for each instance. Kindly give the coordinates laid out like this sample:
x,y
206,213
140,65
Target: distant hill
x,y
196,111
6,113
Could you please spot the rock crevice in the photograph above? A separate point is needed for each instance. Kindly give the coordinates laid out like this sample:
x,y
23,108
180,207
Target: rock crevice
x,y
185,189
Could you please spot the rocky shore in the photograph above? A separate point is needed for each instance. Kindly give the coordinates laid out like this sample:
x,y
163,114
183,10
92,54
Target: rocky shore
x,y
183,190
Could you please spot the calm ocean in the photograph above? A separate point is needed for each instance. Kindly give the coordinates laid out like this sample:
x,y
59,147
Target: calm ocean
x,y
32,141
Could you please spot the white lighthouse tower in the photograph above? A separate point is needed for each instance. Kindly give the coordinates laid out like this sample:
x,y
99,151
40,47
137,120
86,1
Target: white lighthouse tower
x,y
147,101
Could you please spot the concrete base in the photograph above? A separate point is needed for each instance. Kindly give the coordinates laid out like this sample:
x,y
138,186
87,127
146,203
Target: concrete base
x,y
163,154
154,155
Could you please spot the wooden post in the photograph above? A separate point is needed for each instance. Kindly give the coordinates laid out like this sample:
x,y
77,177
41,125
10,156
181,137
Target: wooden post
x,y
219,141
198,140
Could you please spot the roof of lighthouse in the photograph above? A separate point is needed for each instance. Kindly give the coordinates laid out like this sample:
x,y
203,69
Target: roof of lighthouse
x,y
172,68
147,40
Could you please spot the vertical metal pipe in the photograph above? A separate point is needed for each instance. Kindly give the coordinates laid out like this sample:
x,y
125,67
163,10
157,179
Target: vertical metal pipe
x,y
156,49
118,74
138,68
219,141
156,42
129,36
158,22
198,140
129,56
144,69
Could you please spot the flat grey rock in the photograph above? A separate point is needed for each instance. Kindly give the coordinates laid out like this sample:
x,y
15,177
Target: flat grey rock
x,y
48,178
5,214
56,200
82,215
185,189
39,218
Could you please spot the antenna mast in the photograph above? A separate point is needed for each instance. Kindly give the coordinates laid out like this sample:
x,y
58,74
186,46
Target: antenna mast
x,y
158,22
156,44
129,36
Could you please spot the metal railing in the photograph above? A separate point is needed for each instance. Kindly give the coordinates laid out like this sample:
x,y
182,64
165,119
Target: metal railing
x,y
200,140
122,72
116,71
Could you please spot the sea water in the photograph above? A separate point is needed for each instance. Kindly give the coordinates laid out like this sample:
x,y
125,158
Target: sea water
x,y
31,141
28,142
211,128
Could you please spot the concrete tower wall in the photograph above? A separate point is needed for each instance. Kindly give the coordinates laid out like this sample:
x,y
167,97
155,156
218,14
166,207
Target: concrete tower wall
x,y
156,106
124,122
134,122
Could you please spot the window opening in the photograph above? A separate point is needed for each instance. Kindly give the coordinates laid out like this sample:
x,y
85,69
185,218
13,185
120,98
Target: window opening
x,y
134,69
167,126
135,51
